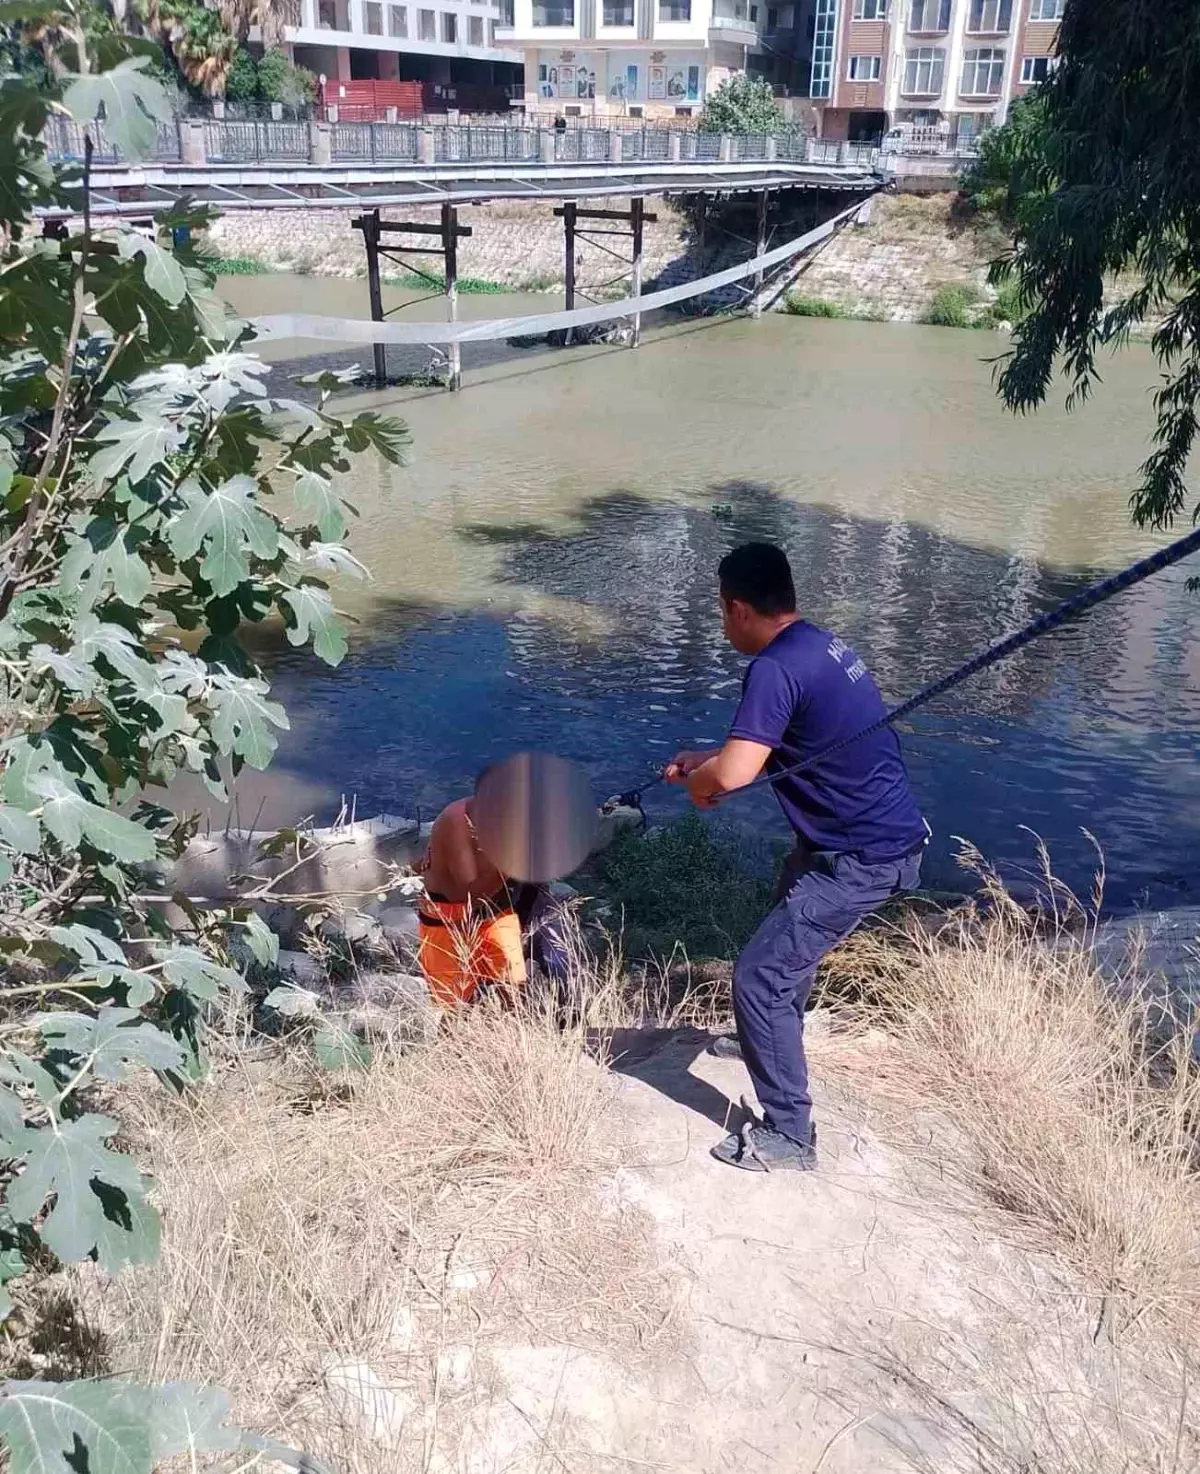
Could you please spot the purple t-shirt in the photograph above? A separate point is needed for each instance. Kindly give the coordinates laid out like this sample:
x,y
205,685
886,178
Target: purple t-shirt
x,y
804,692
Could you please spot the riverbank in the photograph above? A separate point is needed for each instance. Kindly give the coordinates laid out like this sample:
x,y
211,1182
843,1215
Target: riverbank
x,y
508,1245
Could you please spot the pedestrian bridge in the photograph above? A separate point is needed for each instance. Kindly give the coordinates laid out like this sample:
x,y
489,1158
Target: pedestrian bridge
x,y
261,165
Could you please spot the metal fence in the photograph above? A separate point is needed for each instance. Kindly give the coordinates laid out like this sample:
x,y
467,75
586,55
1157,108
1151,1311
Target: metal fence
x,y
282,141
255,142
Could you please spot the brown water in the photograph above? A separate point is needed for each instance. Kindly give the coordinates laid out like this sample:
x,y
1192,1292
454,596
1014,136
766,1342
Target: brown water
x,y
543,576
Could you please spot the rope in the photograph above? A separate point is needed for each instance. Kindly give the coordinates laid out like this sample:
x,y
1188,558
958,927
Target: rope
x,y
1061,614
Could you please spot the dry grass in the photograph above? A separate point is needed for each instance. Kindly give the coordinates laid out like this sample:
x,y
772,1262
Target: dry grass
x,y
1077,1100
345,1252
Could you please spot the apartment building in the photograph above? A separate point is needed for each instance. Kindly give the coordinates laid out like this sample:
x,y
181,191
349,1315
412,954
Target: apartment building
x,y
632,58
954,64
448,43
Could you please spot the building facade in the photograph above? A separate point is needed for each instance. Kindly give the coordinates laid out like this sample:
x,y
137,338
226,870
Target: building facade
x,y
450,45
604,59
951,65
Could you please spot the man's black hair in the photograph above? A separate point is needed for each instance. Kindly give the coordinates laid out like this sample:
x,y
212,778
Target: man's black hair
x,y
760,575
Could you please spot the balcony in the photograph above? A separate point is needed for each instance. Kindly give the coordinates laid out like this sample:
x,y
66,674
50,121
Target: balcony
x,y
730,21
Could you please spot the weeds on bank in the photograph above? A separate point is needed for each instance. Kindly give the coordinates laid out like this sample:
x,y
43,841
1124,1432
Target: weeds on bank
x,y
697,887
384,1235
471,286
1076,1095
238,266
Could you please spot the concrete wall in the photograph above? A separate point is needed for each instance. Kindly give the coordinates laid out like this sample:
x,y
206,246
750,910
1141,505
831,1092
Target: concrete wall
x,y
514,243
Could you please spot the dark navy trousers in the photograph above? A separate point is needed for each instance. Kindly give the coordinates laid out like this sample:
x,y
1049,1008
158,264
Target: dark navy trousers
x,y
824,897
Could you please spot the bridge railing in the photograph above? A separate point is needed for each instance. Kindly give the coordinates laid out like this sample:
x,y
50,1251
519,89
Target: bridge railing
x,y
261,141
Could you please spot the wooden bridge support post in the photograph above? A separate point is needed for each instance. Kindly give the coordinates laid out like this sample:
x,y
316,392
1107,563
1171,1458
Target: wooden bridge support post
x,y
636,214
764,198
568,214
450,248
370,230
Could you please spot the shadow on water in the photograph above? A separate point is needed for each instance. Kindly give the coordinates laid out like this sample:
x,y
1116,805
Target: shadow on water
x,y
1093,726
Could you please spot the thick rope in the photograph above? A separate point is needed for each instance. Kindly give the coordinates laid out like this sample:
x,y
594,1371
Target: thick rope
x,y
1061,614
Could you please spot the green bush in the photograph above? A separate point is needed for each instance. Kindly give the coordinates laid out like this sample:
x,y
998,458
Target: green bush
x,y
237,266
280,81
241,81
951,305
742,104
696,884
800,306
1011,304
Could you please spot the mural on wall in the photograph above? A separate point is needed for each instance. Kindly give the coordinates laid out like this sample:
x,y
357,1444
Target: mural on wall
x,y
567,78
657,89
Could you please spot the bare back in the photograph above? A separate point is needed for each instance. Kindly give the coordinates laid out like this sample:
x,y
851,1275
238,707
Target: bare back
x,y
455,867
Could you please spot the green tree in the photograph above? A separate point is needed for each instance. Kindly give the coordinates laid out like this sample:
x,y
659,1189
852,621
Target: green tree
x,y
195,38
241,82
741,104
1111,195
155,497
997,182
280,81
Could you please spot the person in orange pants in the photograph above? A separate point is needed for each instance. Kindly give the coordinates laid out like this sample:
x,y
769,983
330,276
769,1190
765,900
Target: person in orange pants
x,y
470,932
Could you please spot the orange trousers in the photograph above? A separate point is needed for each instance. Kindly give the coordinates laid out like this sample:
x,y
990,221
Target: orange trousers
x,y
464,946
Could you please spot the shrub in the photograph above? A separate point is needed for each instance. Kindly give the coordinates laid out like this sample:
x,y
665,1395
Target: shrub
x,y
951,304
743,104
280,81
241,81
695,884
1011,304
800,306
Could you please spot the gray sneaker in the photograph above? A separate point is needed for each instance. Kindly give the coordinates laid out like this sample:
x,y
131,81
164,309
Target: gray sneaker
x,y
758,1147
726,1046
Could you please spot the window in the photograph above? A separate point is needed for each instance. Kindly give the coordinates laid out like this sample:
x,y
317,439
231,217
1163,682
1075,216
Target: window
x,y
990,17
674,10
373,17
427,25
1035,69
397,20
754,14
475,30
554,12
870,9
929,15
772,17
449,27
618,12
923,71
983,72
492,24
821,80
864,68
1045,9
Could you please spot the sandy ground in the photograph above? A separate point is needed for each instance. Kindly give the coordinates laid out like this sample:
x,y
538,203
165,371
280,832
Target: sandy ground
x,y
864,1317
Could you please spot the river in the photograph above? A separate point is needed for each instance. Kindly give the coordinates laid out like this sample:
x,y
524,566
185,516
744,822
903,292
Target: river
x,y
544,576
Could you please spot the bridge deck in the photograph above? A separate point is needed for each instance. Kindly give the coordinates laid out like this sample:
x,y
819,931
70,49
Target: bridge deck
x,y
141,189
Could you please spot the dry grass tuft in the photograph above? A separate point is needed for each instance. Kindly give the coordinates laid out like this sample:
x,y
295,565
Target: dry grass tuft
x,y
342,1251
1078,1100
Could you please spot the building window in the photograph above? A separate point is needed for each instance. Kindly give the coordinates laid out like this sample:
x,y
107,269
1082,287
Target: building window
x,y
772,17
618,12
870,9
554,13
990,17
1035,69
929,15
492,32
754,15
923,70
1045,9
398,20
674,11
824,31
475,30
373,17
864,68
449,27
983,72
427,25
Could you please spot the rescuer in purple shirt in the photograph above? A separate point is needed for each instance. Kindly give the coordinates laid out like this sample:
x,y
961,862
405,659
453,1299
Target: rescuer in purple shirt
x,y
859,833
